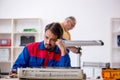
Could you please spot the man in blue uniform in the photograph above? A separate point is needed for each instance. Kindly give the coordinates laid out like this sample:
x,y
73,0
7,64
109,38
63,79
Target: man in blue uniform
x,y
48,53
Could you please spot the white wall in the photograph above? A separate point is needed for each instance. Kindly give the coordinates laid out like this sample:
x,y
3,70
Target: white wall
x,y
93,20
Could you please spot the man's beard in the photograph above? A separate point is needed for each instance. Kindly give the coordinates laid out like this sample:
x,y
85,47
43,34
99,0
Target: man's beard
x,y
48,47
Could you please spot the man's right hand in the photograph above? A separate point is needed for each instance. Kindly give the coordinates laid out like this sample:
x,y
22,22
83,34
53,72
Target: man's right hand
x,y
62,47
13,74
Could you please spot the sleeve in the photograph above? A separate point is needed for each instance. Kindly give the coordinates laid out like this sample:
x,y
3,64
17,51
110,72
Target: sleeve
x,y
22,59
65,60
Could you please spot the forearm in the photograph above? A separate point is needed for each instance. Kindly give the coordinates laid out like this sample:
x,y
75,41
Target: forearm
x,y
63,51
65,61
61,46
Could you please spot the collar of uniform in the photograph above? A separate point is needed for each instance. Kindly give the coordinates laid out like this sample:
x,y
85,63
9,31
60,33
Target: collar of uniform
x,y
63,27
41,46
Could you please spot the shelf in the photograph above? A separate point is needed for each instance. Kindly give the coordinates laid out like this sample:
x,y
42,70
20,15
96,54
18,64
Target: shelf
x,y
18,47
5,36
116,32
115,49
13,29
115,19
2,47
21,24
5,33
25,33
5,62
5,25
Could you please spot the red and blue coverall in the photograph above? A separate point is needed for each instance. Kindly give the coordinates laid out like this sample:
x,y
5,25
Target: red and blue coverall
x,y
35,55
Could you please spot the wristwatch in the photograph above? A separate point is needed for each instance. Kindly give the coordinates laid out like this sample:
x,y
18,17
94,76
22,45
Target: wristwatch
x,y
79,50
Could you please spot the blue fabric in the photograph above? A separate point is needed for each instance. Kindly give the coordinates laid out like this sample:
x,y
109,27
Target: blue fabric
x,y
29,57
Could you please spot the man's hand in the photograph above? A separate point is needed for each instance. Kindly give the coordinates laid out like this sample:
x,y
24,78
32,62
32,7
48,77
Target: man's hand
x,y
13,74
75,50
62,47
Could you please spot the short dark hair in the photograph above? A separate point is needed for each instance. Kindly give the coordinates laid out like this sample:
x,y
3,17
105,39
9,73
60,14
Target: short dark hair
x,y
55,28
